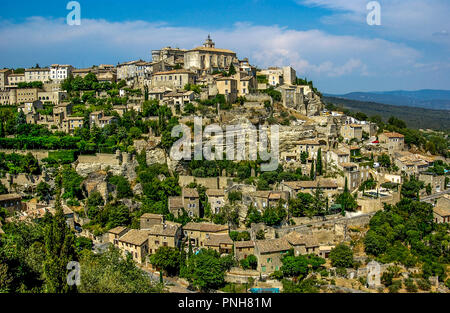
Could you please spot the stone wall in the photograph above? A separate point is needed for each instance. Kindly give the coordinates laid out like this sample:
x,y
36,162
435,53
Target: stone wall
x,y
38,154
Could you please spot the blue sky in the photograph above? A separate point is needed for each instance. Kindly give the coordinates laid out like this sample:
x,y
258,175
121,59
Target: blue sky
x,y
328,41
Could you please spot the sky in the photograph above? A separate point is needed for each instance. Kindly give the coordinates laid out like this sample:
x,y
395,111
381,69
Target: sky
x,y
327,41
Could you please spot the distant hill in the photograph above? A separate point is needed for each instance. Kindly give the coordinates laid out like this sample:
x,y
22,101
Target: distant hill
x,y
414,117
427,98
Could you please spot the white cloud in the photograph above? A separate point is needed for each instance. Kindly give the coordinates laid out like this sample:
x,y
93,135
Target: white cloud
x,y
411,20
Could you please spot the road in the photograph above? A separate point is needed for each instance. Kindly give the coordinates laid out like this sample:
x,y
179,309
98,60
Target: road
x,y
435,196
175,286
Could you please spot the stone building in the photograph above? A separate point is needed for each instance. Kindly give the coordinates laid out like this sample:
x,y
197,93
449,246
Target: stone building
x,y
220,243
189,202
392,141
208,58
228,87
216,199
11,202
173,79
148,220
242,249
269,254
303,244
135,243
198,233
166,234
351,131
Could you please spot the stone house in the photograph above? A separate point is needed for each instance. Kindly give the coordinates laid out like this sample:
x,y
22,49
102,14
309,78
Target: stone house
x,y
189,202
198,233
216,199
311,146
220,243
115,234
437,182
329,187
303,244
337,156
242,249
11,202
167,234
176,79
270,253
228,87
265,199
392,141
351,131
135,242
441,211
69,124
148,220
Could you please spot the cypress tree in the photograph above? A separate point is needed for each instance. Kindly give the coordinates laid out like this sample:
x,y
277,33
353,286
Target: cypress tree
x,y
59,249
319,164
312,174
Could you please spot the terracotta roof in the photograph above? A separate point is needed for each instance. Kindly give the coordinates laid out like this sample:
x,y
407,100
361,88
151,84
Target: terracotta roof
x,y
10,196
393,135
311,184
205,227
175,202
217,240
272,245
213,50
117,230
153,216
168,229
215,193
296,239
441,211
245,244
190,192
135,237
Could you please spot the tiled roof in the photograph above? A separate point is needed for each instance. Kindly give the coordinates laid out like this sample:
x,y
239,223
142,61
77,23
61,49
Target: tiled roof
x,y
168,229
311,184
245,244
11,196
217,240
205,227
135,237
190,192
117,230
213,50
273,245
393,135
175,202
152,216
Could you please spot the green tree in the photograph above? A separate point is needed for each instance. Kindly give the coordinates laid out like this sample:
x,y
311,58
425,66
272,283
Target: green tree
x,y
341,256
59,247
346,199
319,164
44,191
168,259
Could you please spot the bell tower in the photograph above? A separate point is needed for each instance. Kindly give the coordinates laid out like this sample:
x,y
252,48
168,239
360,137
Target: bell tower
x,y
209,43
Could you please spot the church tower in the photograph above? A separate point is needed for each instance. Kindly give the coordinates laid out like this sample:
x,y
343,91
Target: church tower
x,y
209,43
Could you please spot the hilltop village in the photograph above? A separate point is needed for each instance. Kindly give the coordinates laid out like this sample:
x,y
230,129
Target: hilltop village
x,y
356,204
